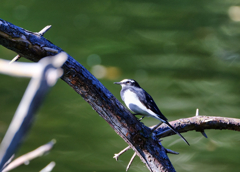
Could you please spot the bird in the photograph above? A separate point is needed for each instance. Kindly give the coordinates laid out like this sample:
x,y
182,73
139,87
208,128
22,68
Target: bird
x,y
141,103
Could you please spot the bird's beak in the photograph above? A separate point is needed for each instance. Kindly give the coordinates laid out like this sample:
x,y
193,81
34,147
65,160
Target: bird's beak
x,y
119,83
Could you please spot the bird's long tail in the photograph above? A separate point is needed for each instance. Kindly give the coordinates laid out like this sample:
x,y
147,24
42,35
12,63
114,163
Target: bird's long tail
x,y
177,132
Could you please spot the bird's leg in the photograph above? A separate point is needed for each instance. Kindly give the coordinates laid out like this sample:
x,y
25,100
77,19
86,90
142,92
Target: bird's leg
x,y
141,118
116,155
156,126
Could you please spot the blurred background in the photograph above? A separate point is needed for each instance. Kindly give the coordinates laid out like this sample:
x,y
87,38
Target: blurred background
x,y
186,54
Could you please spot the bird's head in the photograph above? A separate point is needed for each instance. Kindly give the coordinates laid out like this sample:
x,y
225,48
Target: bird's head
x,y
128,82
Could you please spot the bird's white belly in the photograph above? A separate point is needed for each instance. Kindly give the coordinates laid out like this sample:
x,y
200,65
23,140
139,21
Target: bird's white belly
x,y
132,102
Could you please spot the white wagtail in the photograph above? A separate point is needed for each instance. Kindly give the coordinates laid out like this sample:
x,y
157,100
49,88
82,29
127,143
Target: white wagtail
x,y
140,102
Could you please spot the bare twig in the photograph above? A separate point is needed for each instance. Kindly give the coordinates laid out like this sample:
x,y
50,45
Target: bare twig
x,y
204,134
202,131
29,156
45,76
134,155
131,160
9,161
16,58
171,151
19,69
121,152
49,167
197,112
44,30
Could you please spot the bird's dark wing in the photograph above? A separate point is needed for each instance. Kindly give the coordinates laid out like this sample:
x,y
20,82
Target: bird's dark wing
x,y
148,101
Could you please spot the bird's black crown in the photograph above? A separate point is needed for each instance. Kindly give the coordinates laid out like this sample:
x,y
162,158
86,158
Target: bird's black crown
x,y
128,82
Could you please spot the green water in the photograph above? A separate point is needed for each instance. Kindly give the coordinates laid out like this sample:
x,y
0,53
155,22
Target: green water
x,y
184,53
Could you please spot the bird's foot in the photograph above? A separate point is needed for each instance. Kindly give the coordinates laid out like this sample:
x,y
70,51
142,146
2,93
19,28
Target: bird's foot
x,y
140,118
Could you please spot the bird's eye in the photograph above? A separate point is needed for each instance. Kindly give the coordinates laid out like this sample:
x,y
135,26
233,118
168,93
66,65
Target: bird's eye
x,y
127,82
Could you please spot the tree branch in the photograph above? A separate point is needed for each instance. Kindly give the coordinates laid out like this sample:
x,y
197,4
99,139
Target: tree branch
x,y
30,155
49,167
44,75
199,124
34,47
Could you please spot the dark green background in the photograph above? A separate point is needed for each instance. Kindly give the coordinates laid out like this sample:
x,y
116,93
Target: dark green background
x,y
184,53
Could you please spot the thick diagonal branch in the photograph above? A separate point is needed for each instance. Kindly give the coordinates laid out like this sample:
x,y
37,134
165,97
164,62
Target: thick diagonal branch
x,y
34,47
